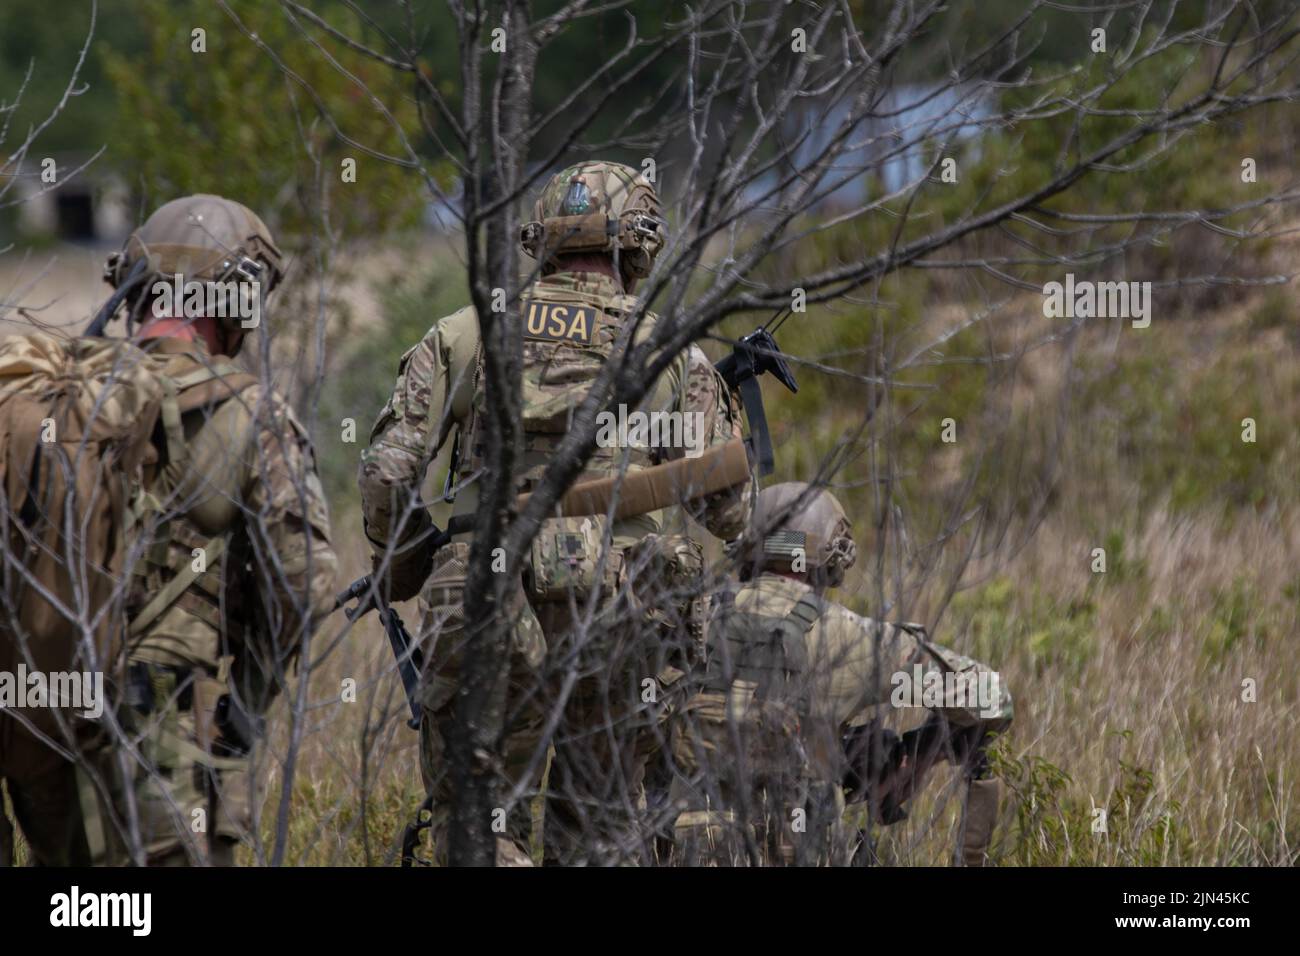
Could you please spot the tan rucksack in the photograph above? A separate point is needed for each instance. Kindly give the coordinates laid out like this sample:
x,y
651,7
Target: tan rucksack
x,y
85,426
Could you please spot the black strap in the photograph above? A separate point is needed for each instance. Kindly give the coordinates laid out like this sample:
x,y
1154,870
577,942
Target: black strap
x,y
751,393
794,629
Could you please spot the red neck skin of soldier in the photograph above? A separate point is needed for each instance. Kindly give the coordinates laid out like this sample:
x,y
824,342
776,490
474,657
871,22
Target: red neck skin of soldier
x,y
213,335
593,262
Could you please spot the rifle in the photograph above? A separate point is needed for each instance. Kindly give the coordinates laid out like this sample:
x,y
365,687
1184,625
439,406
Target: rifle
x,y
410,662
752,356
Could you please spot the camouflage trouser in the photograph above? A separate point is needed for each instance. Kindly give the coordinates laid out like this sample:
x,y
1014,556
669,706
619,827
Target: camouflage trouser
x,y
608,788
514,845
443,635
596,768
773,836
173,802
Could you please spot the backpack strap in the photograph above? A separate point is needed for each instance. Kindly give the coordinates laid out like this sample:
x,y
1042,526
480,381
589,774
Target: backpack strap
x,y
462,468
170,414
173,589
807,611
793,631
203,386
724,599
210,384
203,371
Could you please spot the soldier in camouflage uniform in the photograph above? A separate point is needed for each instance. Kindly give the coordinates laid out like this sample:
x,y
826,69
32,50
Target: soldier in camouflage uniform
x,y
237,574
761,742
597,230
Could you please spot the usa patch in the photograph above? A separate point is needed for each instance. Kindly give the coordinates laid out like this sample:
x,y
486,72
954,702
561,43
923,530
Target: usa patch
x,y
559,322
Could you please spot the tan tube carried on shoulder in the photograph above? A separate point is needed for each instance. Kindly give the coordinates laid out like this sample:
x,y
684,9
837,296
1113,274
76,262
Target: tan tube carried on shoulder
x,y
661,486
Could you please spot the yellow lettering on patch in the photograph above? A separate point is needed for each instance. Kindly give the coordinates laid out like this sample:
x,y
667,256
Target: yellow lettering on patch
x,y
556,326
578,328
556,322
536,321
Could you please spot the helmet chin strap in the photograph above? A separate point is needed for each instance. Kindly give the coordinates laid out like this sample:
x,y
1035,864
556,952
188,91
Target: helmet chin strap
x,y
223,334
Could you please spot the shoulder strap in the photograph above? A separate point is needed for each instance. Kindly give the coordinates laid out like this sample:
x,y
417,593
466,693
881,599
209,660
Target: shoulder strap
x,y
806,612
203,386
209,384
462,465
168,594
724,599
793,630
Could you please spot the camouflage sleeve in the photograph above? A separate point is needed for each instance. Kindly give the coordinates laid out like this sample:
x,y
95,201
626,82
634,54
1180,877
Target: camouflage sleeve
x,y
289,525
726,513
407,436
866,663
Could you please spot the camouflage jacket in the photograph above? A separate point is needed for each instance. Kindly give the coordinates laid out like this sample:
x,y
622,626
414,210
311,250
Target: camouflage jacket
x,y
435,395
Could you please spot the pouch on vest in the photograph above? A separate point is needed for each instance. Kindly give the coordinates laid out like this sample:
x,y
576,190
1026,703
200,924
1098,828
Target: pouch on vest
x,y
566,560
665,574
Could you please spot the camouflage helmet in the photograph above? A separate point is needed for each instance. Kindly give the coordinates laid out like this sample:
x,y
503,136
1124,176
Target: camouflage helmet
x,y
803,528
598,207
202,238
